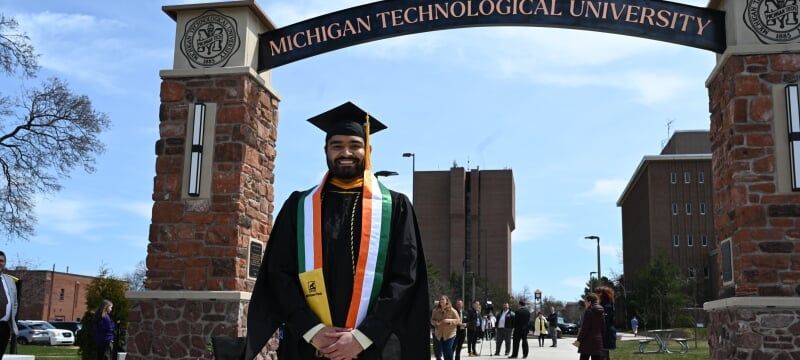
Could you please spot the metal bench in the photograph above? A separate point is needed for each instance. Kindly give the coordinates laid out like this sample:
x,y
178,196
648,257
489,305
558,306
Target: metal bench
x,y
684,345
643,344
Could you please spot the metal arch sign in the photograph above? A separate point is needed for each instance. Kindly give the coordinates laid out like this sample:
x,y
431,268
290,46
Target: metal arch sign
x,y
653,19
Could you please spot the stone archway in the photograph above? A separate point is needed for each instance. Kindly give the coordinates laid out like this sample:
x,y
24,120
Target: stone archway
x,y
213,196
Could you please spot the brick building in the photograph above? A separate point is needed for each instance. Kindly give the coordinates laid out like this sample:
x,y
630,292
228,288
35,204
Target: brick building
x,y
51,295
667,209
466,219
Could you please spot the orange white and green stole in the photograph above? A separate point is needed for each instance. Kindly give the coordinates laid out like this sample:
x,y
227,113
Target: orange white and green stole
x,y
376,217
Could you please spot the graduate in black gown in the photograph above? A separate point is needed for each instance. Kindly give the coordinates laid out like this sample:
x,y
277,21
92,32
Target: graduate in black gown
x,y
366,240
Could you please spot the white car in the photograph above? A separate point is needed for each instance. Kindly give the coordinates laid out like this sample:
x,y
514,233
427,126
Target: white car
x,y
42,332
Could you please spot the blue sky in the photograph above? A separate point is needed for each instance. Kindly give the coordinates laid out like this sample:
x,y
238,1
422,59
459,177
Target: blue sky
x,y
571,112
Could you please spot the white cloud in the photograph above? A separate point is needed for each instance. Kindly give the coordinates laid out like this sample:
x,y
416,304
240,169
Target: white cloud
x,y
84,218
606,189
576,283
561,57
534,227
69,45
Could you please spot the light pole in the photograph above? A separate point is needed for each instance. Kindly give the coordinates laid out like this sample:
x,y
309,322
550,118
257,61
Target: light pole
x,y
594,237
413,171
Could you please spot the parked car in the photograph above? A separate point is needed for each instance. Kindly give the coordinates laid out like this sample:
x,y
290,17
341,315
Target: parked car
x,y
74,326
42,332
568,328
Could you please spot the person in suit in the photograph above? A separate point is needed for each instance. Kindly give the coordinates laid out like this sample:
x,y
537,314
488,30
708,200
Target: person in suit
x,y
473,327
505,325
552,320
9,305
521,319
461,332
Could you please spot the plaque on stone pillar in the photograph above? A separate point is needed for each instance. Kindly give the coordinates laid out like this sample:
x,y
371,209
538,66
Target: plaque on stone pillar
x,y
254,260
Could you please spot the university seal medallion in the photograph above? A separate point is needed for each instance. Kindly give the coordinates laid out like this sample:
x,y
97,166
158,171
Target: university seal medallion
x,y
210,40
773,21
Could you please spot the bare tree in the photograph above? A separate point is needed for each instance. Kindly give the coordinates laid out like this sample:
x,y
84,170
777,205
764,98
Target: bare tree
x,y
44,133
137,277
15,51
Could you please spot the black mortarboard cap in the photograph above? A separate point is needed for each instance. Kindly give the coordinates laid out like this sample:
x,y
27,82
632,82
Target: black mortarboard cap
x,y
346,119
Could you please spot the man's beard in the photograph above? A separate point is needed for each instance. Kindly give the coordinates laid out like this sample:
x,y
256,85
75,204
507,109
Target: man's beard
x,y
346,172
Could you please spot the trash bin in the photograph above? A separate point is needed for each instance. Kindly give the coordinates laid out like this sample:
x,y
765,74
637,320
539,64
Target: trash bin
x,y
121,356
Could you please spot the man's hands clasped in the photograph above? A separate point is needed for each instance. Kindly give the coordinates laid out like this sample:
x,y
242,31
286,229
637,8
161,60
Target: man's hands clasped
x,y
337,343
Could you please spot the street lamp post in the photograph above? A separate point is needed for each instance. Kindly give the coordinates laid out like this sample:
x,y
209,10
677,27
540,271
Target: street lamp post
x,y
385,173
594,237
413,171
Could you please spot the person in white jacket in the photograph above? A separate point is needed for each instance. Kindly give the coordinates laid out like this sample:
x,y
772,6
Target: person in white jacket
x,y
540,328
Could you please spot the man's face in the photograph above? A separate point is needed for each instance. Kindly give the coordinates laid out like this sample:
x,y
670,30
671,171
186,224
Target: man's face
x,y
459,304
476,305
345,156
2,263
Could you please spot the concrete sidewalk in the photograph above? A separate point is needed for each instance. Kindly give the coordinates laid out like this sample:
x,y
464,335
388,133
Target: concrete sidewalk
x,y
563,351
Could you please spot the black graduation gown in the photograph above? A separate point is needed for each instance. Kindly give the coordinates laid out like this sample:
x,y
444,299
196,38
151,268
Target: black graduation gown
x,y
400,312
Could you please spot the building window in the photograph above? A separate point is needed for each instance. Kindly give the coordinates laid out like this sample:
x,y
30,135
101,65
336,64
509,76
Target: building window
x,y
673,177
674,208
61,295
702,208
691,272
688,208
705,272
701,177
704,240
689,240
687,177
676,240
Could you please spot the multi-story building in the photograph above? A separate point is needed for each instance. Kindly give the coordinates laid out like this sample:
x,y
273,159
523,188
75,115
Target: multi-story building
x,y
51,295
466,219
667,210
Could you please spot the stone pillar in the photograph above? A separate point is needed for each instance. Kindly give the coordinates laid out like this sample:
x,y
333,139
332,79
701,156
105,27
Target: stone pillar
x,y
757,213
212,192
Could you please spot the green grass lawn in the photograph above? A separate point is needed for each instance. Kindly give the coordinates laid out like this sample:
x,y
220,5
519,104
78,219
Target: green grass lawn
x,y
49,352
629,350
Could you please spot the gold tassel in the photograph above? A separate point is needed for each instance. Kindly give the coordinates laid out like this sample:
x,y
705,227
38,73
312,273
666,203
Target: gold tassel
x,y
367,161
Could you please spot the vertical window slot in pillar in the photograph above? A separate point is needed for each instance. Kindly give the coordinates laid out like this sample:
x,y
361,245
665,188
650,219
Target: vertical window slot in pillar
x,y
793,119
196,160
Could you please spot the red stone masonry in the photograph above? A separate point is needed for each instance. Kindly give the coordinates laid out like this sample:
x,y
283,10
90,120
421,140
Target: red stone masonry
x,y
764,224
202,243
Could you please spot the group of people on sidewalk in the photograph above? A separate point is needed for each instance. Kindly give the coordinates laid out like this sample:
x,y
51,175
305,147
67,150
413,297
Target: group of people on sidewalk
x,y
452,325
